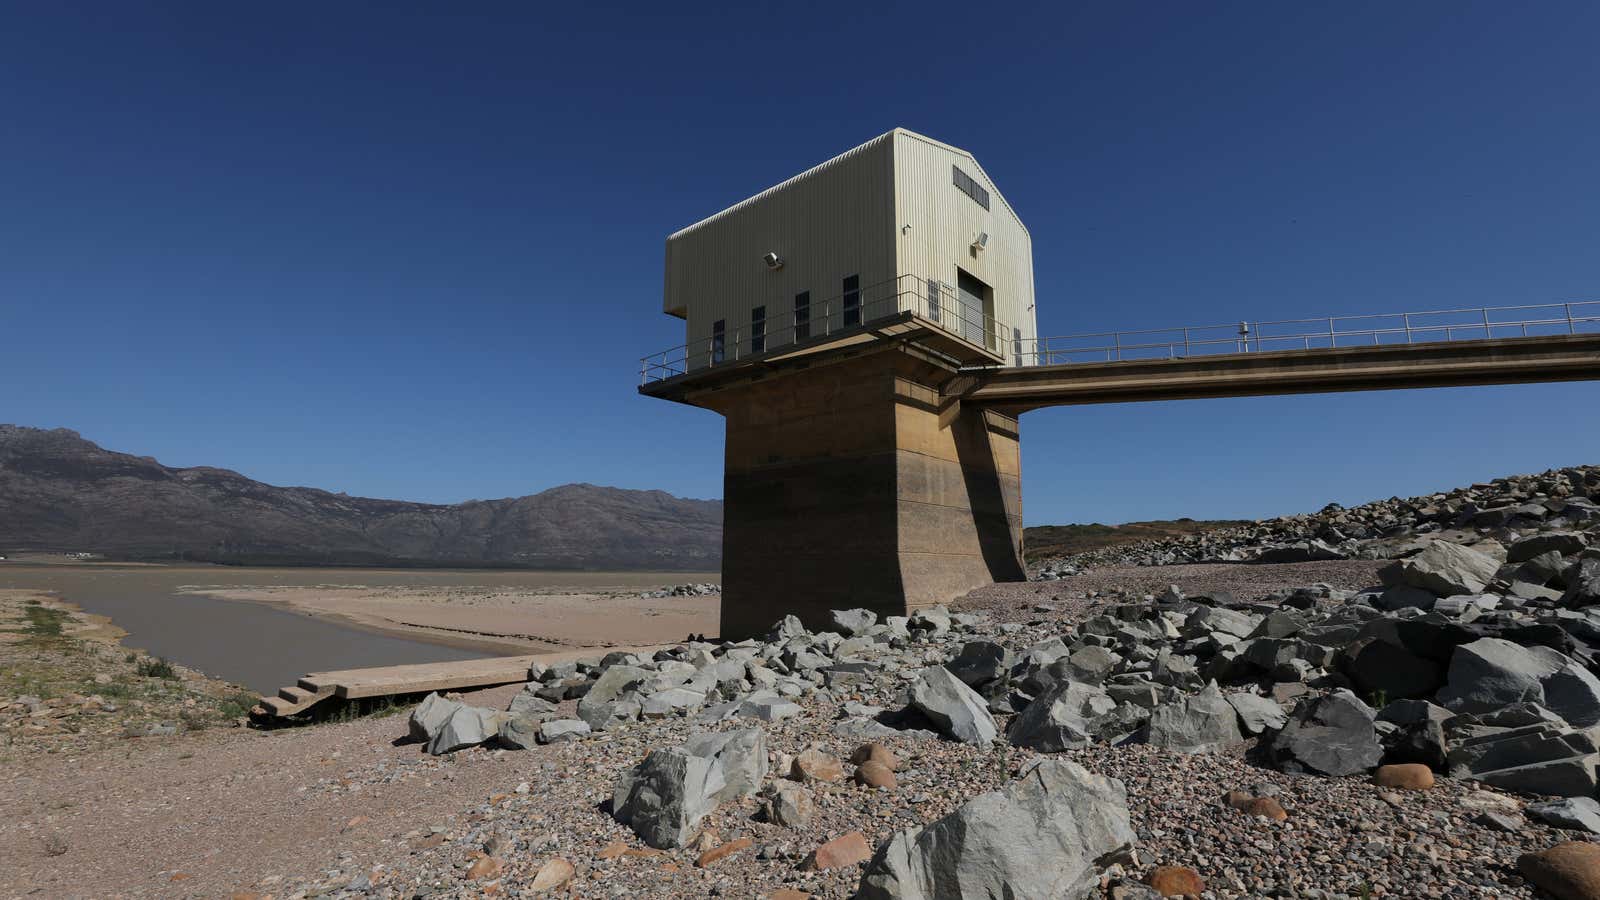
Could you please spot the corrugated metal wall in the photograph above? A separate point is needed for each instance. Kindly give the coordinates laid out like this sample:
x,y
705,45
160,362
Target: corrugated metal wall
x,y
945,221
828,223
848,216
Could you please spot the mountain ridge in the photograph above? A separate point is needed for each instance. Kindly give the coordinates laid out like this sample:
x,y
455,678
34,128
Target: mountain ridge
x,y
62,492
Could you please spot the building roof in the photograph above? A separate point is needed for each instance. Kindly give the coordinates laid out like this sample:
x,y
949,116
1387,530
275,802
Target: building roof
x,y
873,144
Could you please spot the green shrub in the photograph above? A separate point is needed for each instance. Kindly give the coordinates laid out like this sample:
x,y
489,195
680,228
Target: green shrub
x,y
155,668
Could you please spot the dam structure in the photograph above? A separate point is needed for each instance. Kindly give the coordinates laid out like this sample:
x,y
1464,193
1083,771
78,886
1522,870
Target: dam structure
x,y
867,330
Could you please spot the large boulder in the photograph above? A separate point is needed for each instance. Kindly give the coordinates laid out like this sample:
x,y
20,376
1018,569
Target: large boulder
x,y
850,622
742,756
1493,672
1200,723
957,710
980,662
1330,735
467,726
1445,569
1068,716
1047,834
430,716
663,798
1573,693
1257,714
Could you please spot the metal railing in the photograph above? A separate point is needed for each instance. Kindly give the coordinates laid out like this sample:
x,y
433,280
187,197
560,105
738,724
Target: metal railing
x,y
934,302
1311,334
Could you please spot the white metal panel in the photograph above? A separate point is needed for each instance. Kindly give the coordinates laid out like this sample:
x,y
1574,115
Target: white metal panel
x,y
944,222
830,222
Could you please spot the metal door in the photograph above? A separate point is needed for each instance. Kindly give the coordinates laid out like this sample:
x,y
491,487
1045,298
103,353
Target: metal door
x,y
970,292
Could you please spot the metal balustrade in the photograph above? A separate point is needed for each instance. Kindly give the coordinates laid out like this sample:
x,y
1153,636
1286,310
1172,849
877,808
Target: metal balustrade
x,y
1478,323
935,303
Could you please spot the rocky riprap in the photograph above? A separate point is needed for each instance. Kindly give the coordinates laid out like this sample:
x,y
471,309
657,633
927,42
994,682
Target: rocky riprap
x,y
701,589
1314,718
1560,499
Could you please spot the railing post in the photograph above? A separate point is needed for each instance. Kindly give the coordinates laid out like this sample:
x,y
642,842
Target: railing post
x,y
1118,337
1407,318
1186,343
1572,327
1487,331
1332,340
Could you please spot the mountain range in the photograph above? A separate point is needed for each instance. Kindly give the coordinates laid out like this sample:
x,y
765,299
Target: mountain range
x,y
60,492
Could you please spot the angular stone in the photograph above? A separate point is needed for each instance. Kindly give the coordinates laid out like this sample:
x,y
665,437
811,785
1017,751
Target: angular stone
x,y
1570,777
1047,834
468,726
1443,568
1069,716
663,798
430,716
1492,672
528,704
814,765
519,733
1257,714
1333,735
1573,693
788,804
1563,543
1575,813
956,709
851,622
561,731
741,755
980,662
1201,723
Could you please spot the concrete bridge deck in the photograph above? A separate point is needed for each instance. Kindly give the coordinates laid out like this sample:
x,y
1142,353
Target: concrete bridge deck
x,y
1567,357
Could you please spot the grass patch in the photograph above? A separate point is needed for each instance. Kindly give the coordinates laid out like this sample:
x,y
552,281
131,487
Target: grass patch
x,y
237,705
155,668
44,624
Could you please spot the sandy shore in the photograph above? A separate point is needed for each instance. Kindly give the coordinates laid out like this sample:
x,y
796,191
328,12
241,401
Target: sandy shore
x,y
511,619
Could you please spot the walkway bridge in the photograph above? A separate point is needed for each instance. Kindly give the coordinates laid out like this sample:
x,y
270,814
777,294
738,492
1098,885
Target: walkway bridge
x,y
877,463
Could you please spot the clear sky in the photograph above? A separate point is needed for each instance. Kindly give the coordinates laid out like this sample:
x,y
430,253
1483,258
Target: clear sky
x,y
406,251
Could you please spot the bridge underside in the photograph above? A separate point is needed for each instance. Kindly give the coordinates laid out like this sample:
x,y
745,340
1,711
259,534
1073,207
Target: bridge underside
x,y
1318,371
883,476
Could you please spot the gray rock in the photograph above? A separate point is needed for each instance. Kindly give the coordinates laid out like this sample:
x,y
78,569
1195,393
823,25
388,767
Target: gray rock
x,y
528,704
671,702
1563,543
1047,834
1209,619
981,662
430,716
1401,596
1204,722
1257,714
1068,716
786,628
1573,693
1572,776
1445,569
467,726
788,804
663,798
956,709
853,621
933,619
602,715
1091,665
1575,813
768,707
1492,672
1332,735
741,755
519,733
560,731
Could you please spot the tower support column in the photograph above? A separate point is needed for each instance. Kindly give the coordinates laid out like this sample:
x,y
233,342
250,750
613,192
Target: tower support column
x,y
850,483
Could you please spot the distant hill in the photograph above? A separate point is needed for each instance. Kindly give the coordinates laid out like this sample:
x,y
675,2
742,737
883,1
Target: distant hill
x,y
1048,541
59,492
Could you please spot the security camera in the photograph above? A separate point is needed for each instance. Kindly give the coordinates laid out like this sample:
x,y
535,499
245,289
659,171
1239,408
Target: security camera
x,y
773,261
982,241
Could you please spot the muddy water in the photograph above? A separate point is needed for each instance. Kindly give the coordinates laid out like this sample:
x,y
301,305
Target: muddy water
x,y
261,646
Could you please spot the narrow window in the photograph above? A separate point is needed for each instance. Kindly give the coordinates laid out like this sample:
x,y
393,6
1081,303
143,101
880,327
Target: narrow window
x,y
969,186
758,330
802,315
851,302
718,345
933,301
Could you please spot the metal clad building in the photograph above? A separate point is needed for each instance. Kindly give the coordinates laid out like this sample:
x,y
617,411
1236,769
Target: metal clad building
x,y
902,225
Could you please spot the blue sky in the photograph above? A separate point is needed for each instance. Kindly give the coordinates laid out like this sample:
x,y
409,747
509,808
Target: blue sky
x,y
405,251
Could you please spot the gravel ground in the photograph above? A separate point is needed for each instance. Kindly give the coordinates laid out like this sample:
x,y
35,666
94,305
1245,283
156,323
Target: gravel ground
x,y
352,810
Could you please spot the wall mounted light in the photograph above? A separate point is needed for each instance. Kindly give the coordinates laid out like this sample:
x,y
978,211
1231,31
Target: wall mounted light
x,y
773,261
982,241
